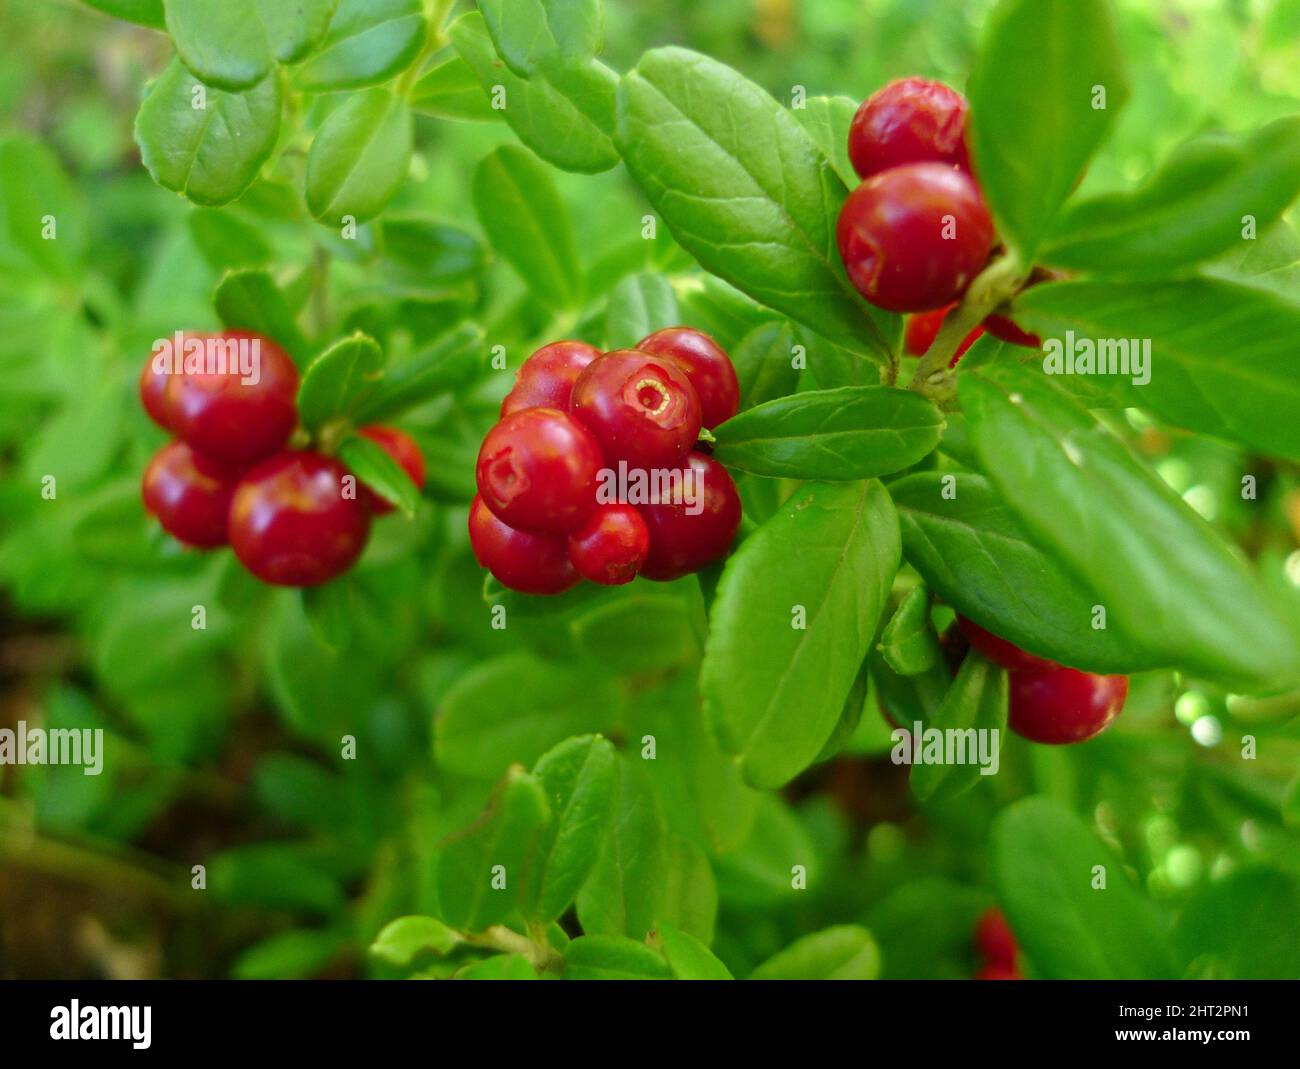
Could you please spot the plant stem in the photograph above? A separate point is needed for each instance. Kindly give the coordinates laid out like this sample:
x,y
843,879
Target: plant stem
x,y
541,956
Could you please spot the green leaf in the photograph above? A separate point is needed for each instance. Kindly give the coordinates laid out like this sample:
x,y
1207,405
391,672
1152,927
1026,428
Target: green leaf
x,y
1079,491
854,432
227,240
689,958
401,941
773,692
764,364
293,955
451,90
339,380
976,705
36,191
827,120
144,12
1243,927
639,305
980,559
1047,865
526,32
359,157
690,899
521,211
515,708
844,952
1191,209
484,870
579,777
1037,81
250,300
640,632
376,469
743,189
1215,364
613,957
368,42
209,154
449,363
294,30
908,644
564,112
330,610
500,967
224,44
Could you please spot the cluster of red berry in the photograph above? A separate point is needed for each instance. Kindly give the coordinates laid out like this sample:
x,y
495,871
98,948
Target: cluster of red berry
x,y
996,943
294,517
917,230
576,425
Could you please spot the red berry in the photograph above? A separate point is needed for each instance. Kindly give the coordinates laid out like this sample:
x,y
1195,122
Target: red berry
x,y
529,563
190,494
157,372
1005,329
611,545
545,379
537,471
910,120
220,413
913,237
685,537
1064,705
642,409
994,938
923,328
292,522
706,365
1000,651
402,448
998,972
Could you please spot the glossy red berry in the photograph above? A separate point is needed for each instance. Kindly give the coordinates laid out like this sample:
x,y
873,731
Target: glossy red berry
x,y
537,470
529,563
545,379
1006,330
402,448
642,409
1000,651
994,939
913,237
190,494
910,120
684,537
157,372
611,545
233,416
295,520
706,365
1064,705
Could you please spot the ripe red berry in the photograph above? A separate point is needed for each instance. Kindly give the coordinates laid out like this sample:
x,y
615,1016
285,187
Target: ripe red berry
x,y
998,972
642,409
910,120
1000,651
611,545
1064,705
706,365
545,379
529,563
923,328
684,537
1005,329
293,521
190,494
234,417
994,938
913,237
402,448
537,470
157,372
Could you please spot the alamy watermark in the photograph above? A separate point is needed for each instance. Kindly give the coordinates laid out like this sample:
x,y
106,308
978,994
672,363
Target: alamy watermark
x,y
651,486
192,354
53,746
947,746
1103,356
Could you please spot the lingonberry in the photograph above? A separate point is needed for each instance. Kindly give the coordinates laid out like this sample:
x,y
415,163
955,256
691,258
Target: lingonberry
x,y
190,494
913,237
157,372
642,409
537,470
294,520
1064,705
545,379
611,545
529,563
1000,651
402,448
910,120
696,527
706,365
241,412
994,938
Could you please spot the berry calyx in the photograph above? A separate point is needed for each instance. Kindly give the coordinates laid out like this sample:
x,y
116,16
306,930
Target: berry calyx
x,y
923,328
1001,652
611,545
190,494
528,563
545,379
402,448
1064,705
537,471
1006,330
696,529
994,939
913,237
910,120
706,365
642,409
293,521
